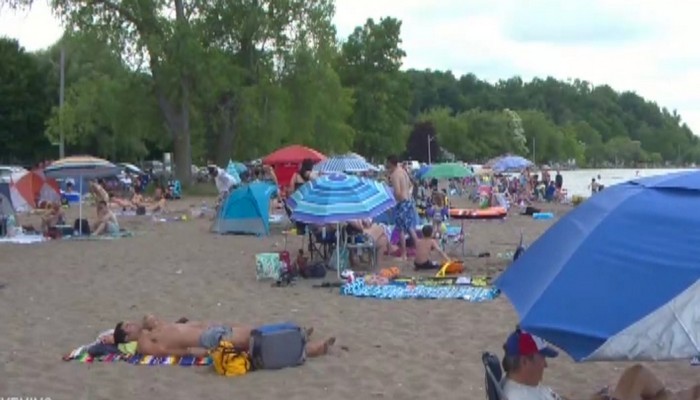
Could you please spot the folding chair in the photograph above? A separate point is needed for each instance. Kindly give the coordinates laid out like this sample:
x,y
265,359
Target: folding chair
x,y
321,243
493,375
358,243
454,239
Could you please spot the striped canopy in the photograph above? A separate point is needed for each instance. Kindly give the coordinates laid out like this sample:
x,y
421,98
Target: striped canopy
x,y
81,166
338,198
345,163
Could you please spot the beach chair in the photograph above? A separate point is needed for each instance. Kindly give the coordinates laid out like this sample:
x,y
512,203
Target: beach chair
x,y
321,243
360,243
492,377
455,239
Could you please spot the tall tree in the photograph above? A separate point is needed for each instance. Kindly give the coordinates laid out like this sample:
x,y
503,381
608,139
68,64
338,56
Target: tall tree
x,y
24,104
370,62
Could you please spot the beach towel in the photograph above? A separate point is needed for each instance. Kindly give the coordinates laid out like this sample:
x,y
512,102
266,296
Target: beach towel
x,y
358,288
276,218
23,239
81,355
119,235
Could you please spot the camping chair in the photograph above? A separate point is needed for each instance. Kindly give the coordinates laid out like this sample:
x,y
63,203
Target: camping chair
x,y
493,375
358,242
321,243
453,239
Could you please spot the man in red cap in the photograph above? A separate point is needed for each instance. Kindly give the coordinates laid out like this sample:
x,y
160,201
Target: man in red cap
x,y
526,358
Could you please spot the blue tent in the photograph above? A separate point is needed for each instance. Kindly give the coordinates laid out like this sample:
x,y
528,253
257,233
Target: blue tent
x,y
246,210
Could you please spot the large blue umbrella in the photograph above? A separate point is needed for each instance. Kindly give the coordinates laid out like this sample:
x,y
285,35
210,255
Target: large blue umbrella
x,y
511,164
346,163
617,277
339,198
336,198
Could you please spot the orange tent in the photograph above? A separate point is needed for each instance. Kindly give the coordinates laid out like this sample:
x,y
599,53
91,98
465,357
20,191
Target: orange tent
x,y
287,160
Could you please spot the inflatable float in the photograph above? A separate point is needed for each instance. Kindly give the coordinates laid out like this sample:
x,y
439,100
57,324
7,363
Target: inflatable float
x,y
485,213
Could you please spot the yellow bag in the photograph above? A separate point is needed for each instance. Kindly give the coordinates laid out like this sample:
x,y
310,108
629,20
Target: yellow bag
x,y
228,361
450,268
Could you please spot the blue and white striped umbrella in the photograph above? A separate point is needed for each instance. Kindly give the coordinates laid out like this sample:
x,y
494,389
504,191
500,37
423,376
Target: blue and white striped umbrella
x,y
339,198
345,163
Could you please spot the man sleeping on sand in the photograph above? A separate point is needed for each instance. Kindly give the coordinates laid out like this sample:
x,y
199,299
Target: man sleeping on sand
x,y
157,337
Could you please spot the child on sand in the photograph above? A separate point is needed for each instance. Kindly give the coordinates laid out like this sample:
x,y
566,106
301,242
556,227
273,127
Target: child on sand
x,y
424,247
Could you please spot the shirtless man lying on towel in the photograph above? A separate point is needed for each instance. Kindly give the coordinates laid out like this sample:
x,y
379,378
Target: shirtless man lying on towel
x,y
156,337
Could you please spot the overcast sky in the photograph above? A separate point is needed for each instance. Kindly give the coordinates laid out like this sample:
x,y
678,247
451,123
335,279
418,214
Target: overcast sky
x,y
647,46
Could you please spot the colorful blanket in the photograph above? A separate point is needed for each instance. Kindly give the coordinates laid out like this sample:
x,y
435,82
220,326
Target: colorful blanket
x,y
402,290
81,355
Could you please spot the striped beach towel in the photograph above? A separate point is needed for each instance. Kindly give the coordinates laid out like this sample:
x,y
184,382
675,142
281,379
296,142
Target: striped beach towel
x,y
81,355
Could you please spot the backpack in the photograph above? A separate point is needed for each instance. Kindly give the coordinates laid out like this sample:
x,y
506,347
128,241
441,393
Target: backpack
x,y
81,227
228,361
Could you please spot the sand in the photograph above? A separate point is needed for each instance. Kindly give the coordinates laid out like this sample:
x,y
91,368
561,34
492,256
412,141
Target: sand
x,y
59,295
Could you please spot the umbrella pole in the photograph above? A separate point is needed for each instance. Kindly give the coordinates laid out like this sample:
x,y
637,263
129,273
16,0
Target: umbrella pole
x,y
80,208
337,249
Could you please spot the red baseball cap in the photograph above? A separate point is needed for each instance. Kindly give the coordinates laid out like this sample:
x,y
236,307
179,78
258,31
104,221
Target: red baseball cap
x,y
521,343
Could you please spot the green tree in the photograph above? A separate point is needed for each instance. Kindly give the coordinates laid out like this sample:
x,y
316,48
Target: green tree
x,y
24,104
370,62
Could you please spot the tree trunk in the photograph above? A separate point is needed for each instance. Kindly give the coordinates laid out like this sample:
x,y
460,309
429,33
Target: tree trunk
x,y
178,124
227,112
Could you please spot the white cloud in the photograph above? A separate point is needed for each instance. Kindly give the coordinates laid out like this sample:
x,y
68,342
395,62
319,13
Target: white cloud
x,y
648,47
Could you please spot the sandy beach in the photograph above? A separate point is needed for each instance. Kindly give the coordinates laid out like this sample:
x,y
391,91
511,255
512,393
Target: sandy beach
x,y
61,294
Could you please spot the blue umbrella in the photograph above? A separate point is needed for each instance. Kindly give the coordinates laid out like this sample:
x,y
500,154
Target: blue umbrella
x,y
236,166
346,163
336,198
422,171
617,277
510,164
339,198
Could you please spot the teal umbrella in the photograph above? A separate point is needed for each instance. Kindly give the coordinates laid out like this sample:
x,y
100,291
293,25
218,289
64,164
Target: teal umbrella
x,y
448,171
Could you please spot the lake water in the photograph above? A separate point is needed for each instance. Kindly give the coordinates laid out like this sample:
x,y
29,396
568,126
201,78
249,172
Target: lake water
x,y
576,182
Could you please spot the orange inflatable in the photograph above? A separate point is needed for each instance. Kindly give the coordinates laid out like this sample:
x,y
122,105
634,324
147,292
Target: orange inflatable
x,y
486,213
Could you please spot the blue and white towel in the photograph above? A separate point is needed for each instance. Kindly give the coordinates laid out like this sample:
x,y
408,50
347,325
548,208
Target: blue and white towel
x,y
389,291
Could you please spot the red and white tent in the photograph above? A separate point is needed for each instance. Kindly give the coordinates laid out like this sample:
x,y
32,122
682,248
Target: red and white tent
x,y
29,189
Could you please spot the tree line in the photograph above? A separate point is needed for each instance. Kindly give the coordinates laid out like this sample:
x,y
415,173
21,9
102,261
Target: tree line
x,y
235,79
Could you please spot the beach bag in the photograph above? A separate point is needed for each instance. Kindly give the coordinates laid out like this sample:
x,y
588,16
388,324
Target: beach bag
x,y
140,210
228,361
314,271
277,346
268,266
450,268
81,227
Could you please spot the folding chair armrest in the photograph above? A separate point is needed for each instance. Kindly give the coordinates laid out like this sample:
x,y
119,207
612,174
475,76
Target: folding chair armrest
x,y
494,390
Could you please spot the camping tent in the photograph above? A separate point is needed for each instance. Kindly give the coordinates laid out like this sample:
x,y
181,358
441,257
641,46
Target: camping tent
x,y
286,161
6,200
246,210
29,188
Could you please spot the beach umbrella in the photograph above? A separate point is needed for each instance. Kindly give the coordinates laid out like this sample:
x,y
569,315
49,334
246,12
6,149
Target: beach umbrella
x,y
422,171
448,171
618,277
510,164
239,167
345,163
336,198
83,167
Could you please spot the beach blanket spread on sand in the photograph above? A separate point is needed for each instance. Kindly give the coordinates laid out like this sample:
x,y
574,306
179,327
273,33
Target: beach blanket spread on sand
x,y
81,355
358,288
